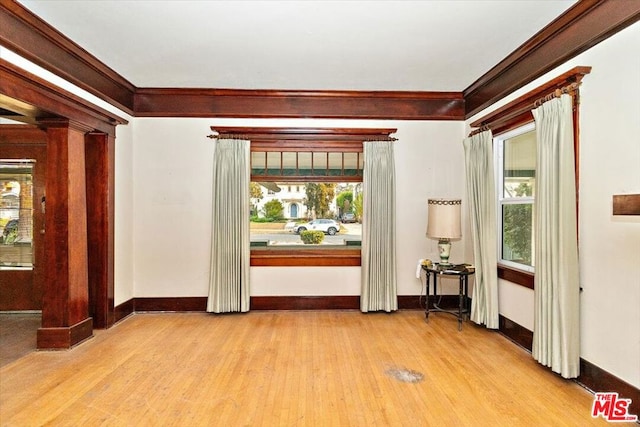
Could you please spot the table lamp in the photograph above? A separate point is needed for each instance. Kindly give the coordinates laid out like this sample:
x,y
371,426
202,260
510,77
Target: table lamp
x,y
444,225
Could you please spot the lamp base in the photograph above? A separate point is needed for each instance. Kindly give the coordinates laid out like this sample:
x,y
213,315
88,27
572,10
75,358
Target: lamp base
x,y
444,248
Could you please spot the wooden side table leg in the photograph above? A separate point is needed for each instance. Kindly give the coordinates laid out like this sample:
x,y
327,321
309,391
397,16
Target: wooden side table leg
x,y
460,302
426,304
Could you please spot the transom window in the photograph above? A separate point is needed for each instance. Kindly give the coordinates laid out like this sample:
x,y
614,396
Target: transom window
x,y
305,164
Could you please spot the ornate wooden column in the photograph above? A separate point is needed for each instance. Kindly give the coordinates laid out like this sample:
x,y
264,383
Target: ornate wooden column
x,y
65,305
100,176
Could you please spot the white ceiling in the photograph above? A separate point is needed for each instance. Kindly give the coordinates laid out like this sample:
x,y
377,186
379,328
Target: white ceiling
x,y
312,45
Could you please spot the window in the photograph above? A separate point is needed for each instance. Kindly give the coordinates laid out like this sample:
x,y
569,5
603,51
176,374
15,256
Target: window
x,y
278,217
16,214
516,160
322,166
509,125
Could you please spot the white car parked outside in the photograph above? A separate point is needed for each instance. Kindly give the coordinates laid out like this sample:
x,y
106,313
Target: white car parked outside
x,y
327,226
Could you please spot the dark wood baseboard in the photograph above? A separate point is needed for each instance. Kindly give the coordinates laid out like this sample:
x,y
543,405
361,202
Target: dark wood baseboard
x,y
337,302
598,380
170,304
331,302
516,333
62,338
123,310
591,377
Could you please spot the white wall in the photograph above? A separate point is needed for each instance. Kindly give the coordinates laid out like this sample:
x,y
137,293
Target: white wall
x,y
124,260
172,204
609,246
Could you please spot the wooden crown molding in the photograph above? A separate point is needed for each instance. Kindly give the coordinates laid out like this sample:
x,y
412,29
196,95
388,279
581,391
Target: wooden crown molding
x,y
32,38
164,102
20,90
584,25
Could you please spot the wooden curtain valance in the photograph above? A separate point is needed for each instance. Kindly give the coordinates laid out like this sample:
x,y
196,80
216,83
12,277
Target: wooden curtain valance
x,y
277,139
518,111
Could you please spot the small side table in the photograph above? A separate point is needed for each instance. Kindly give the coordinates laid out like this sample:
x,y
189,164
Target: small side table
x,y
462,271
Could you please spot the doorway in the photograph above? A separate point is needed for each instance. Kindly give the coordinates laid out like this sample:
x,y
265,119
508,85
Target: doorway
x,y
22,186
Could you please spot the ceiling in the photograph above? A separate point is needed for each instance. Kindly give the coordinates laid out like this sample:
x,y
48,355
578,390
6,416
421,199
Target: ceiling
x,y
300,45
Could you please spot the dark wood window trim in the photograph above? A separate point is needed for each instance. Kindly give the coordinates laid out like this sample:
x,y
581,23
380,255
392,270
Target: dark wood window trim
x,y
305,139
519,277
518,113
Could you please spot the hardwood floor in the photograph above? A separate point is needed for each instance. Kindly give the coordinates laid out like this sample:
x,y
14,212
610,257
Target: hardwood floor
x,y
273,368
18,333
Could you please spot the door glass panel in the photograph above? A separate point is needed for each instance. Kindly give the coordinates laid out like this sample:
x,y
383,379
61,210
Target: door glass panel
x,y
16,213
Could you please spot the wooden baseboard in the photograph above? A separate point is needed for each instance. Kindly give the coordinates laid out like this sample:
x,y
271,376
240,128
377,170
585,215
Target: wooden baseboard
x,y
171,304
516,333
598,380
345,302
332,302
591,377
123,310
62,338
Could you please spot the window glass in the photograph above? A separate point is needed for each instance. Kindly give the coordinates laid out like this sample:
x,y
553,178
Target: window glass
x,y
289,163
279,165
351,164
319,163
304,164
516,153
16,214
259,163
282,211
335,164
519,165
274,163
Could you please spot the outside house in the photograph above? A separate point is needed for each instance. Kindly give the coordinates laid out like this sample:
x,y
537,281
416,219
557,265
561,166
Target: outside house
x,y
291,195
293,198
267,226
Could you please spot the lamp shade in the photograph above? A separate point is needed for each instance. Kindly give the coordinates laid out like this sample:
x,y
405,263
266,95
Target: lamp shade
x,y
444,219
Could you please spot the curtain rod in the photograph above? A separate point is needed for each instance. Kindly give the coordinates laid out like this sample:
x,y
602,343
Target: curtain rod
x,y
479,130
381,138
573,87
557,93
248,137
229,136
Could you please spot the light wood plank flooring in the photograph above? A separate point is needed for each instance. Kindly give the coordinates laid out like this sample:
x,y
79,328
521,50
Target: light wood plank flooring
x,y
18,332
287,368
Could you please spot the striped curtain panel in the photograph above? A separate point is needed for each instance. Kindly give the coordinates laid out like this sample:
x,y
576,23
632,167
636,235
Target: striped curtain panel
x,y
230,256
556,333
379,287
481,192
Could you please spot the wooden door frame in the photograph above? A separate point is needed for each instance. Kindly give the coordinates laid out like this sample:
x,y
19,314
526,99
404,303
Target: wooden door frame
x,y
68,308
